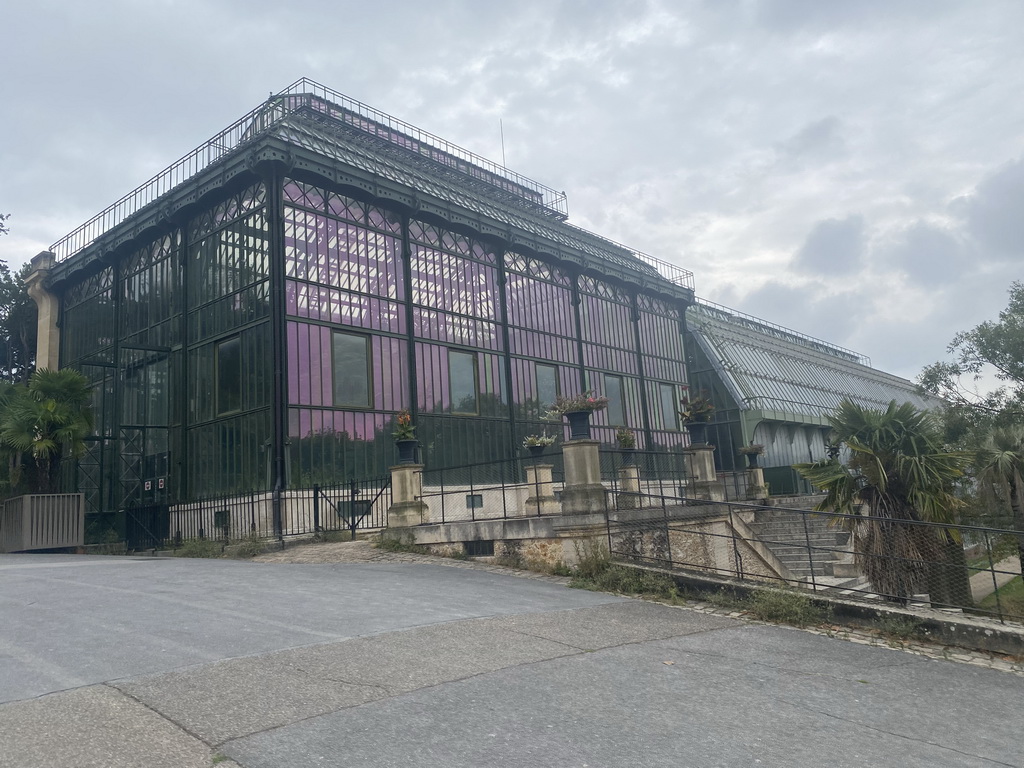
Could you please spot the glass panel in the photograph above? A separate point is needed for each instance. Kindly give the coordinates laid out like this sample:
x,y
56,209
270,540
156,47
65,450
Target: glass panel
x,y
669,416
463,379
613,391
547,384
229,375
351,370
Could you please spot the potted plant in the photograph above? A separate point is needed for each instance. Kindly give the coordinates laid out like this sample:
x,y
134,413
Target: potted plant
x,y
695,413
752,451
536,444
625,438
405,437
577,409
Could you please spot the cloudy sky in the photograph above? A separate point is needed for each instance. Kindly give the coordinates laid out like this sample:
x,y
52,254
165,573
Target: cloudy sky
x,y
851,169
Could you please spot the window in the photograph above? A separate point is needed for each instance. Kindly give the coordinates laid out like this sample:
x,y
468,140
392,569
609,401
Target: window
x,y
669,414
616,408
351,370
547,384
229,376
462,378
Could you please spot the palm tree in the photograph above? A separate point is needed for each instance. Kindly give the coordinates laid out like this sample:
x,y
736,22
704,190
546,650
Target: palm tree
x,y
1000,469
44,421
899,469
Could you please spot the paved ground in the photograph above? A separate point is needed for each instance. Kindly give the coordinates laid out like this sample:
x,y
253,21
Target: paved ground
x,y
159,662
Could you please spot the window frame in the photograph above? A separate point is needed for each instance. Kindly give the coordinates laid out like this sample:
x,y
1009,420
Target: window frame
x,y
368,404
474,358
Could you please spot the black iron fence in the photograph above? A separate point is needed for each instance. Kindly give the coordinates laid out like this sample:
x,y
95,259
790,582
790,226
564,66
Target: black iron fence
x,y
351,506
958,567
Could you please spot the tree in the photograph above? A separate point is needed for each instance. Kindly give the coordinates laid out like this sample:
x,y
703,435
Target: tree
x,y
900,470
996,346
42,422
17,325
999,468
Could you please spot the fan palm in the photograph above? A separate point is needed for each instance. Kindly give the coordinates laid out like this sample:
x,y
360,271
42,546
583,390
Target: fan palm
x,y
50,416
900,471
1000,468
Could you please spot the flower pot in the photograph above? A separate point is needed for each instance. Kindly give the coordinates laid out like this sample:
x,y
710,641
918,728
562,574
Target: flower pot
x,y
406,451
579,425
536,450
698,432
628,457
751,461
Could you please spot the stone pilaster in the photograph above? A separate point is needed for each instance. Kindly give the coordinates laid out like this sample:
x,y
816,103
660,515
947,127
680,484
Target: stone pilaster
x,y
756,488
407,506
629,487
48,335
542,500
702,470
583,492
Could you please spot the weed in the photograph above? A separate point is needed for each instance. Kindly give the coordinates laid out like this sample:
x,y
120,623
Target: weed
x,y
723,599
560,569
900,628
592,558
398,541
332,537
786,607
457,554
249,547
200,548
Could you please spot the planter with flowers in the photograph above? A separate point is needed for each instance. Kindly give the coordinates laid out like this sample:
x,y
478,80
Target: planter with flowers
x,y
625,438
577,409
405,437
752,451
536,444
695,412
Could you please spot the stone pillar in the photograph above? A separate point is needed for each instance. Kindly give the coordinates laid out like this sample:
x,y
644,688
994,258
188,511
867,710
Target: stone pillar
x,y
756,489
541,487
629,487
407,506
702,470
583,492
48,336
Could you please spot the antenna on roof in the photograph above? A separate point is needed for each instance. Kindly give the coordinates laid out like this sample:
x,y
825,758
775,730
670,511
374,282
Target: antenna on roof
x,y
501,129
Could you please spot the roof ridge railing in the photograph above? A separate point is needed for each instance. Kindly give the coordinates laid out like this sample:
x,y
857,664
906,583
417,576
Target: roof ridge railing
x,y
855,356
671,272
253,124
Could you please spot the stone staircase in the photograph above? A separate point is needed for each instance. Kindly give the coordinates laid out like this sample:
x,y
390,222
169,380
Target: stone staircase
x,y
784,532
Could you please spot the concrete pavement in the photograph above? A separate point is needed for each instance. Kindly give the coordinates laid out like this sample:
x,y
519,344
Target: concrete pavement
x,y
116,661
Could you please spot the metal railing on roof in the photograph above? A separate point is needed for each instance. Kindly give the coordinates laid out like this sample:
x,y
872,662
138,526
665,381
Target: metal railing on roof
x,y
796,336
671,272
274,110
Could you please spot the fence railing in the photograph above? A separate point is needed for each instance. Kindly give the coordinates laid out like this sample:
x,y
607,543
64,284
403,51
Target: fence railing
x,y
354,505
910,562
42,521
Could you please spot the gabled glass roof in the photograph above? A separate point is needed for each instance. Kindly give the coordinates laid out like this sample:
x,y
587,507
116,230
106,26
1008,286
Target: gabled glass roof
x,y
769,368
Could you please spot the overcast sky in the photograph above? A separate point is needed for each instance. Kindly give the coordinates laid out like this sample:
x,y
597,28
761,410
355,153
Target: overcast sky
x,y
852,170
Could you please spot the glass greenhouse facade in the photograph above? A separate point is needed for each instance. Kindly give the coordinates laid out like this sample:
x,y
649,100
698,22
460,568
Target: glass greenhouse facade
x,y
255,317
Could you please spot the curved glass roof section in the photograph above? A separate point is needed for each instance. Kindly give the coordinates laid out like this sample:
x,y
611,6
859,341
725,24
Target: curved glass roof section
x,y
773,369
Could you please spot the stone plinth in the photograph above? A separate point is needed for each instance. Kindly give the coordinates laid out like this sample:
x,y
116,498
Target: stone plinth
x,y
583,492
407,507
756,489
542,500
629,488
702,470
48,334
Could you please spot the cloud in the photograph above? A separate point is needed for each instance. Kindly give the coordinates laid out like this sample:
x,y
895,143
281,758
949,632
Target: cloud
x,y
833,247
995,212
927,253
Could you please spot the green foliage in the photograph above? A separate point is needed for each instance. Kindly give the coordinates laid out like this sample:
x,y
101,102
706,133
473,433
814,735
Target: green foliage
x,y
900,469
786,607
332,537
17,325
1010,600
992,346
199,548
249,547
592,558
396,540
42,422
902,628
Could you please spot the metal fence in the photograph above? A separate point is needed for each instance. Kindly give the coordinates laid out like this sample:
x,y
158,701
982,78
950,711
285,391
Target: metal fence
x,y
351,506
956,567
